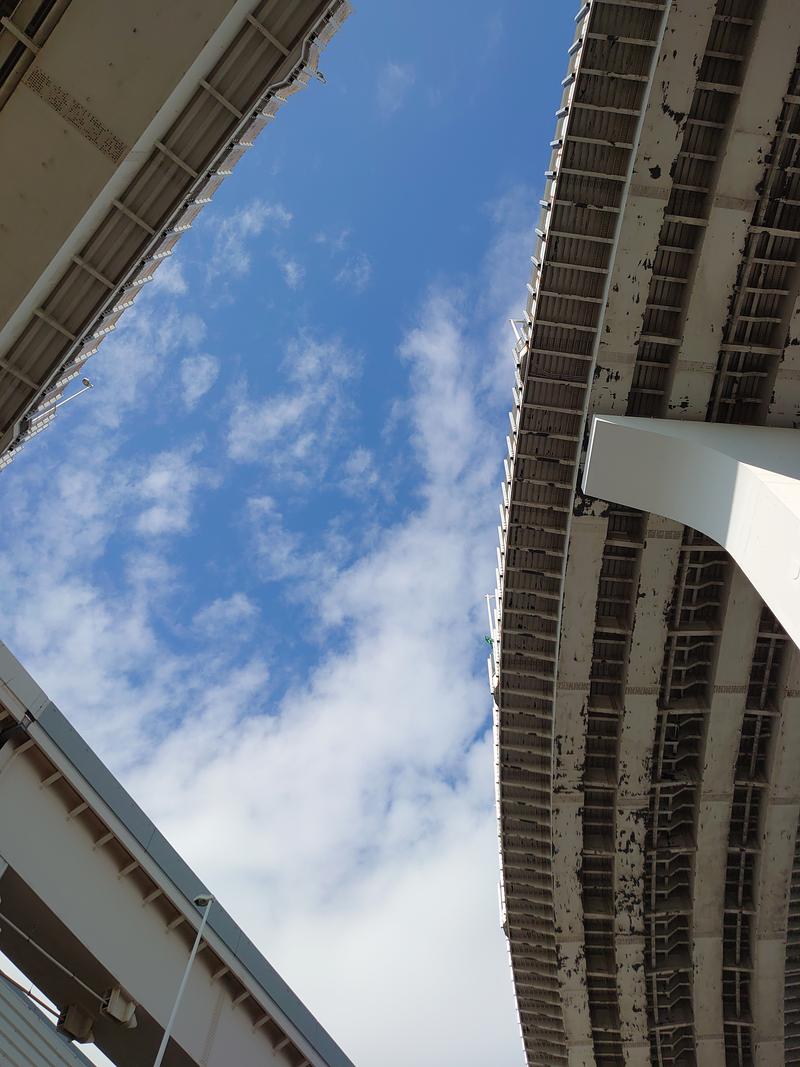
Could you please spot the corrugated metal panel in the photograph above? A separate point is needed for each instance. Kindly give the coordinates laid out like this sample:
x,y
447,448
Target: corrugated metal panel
x,y
27,1039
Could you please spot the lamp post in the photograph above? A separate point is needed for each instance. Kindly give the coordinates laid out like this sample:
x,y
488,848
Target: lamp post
x,y
87,385
204,901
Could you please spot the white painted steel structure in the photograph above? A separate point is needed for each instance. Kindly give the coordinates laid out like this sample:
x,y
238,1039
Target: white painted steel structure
x,y
646,699
117,124
94,900
739,485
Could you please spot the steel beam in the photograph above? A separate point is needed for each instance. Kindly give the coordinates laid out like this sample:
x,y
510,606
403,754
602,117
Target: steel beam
x,y
739,485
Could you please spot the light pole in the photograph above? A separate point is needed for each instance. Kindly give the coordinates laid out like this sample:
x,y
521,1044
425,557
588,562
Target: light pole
x,y
87,385
204,901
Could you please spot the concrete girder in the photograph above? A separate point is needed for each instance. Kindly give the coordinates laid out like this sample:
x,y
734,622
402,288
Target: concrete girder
x,y
661,137
670,868
754,122
721,745
635,746
161,50
773,877
739,485
784,406
569,730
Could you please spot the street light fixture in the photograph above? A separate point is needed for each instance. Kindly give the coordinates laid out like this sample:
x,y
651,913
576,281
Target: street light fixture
x,y
204,901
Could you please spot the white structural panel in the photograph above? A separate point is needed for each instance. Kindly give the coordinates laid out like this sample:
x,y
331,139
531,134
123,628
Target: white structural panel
x,y
739,485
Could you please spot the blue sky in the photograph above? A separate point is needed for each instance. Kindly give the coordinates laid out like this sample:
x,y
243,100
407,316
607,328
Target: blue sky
x,y
255,554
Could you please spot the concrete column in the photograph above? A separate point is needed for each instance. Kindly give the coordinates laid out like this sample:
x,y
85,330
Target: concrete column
x,y
739,485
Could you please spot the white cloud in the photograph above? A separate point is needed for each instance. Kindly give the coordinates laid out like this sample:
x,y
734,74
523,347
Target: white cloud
x,y
255,426
347,821
231,254
225,613
507,260
369,767
169,277
359,474
115,676
419,933
128,368
356,273
445,415
166,488
293,273
277,550
506,268
292,430
282,554
198,374
335,240
394,82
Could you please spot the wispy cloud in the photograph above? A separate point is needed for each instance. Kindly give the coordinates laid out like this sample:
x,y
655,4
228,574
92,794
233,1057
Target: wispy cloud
x,y
293,273
166,488
292,430
505,269
394,83
224,613
137,355
356,273
333,816
198,374
359,473
335,239
231,253
394,801
278,551
170,278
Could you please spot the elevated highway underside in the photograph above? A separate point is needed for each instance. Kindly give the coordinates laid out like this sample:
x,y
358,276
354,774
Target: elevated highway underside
x,y
647,727
118,123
